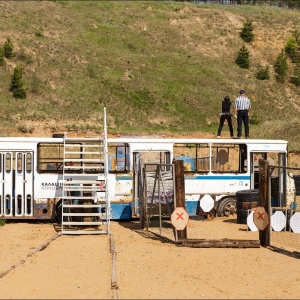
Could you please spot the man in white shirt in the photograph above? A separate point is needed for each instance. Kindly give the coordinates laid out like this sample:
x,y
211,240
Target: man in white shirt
x,y
242,107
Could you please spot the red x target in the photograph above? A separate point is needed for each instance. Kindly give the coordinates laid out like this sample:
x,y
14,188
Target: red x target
x,y
179,218
261,218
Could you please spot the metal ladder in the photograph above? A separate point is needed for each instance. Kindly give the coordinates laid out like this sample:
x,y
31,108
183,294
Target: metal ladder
x,y
85,204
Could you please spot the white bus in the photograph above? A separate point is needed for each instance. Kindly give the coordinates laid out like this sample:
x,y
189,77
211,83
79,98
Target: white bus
x,y
31,172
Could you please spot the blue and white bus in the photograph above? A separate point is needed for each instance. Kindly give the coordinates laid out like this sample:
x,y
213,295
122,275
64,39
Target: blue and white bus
x,y
31,172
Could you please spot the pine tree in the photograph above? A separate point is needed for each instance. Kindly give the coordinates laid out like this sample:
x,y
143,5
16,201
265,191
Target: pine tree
x,y
281,66
292,47
262,73
295,78
247,32
243,58
2,61
8,48
17,84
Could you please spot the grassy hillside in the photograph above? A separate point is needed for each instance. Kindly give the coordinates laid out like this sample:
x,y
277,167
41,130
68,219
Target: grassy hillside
x,y
156,66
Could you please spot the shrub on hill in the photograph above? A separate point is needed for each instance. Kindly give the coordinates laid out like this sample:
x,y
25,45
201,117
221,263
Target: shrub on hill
x,y
2,61
262,73
281,66
295,78
292,47
243,58
247,32
17,84
8,48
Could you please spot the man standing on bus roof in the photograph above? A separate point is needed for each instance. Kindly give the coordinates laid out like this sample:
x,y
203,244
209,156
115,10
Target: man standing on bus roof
x,y
242,107
225,115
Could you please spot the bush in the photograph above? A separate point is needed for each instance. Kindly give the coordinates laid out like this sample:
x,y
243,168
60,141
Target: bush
x,y
39,33
17,83
263,73
247,32
243,59
281,66
25,129
295,78
292,48
8,48
23,56
35,85
253,120
2,61
19,93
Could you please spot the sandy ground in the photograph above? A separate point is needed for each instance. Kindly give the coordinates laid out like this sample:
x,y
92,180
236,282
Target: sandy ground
x,y
146,267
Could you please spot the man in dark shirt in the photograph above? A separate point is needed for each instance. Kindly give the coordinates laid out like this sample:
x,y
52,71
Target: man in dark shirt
x,y
225,115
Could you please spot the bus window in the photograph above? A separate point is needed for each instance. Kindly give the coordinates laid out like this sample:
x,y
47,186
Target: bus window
x,y
217,158
122,153
118,158
51,157
19,162
28,163
152,159
273,158
196,157
204,158
8,163
243,159
225,158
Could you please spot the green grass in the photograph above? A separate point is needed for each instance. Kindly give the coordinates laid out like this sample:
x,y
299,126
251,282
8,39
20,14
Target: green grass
x,y
156,66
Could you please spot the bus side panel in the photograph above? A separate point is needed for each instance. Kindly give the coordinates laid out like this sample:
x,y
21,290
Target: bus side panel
x,y
48,191
120,196
121,211
48,186
199,185
209,184
44,209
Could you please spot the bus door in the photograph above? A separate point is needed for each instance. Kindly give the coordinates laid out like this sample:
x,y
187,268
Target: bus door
x,y
16,188
149,157
6,186
254,168
278,177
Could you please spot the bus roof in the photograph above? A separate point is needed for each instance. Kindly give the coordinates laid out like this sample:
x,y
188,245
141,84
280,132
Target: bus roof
x,y
137,139
194,140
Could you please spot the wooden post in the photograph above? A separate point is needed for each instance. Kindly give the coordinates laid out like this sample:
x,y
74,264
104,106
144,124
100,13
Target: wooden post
x,y
264,235
180,192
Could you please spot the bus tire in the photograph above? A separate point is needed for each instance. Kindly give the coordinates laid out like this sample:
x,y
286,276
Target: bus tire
x,y
247,204
58,217
227,207
241,220
247,195
242,213
246,200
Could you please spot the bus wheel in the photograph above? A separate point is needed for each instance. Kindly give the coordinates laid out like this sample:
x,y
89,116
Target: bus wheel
x,y
227,207
246,200
58,216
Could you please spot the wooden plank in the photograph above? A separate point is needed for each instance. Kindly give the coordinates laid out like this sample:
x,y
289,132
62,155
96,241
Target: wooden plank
x,y
223,243
40,248
180,192
264,235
